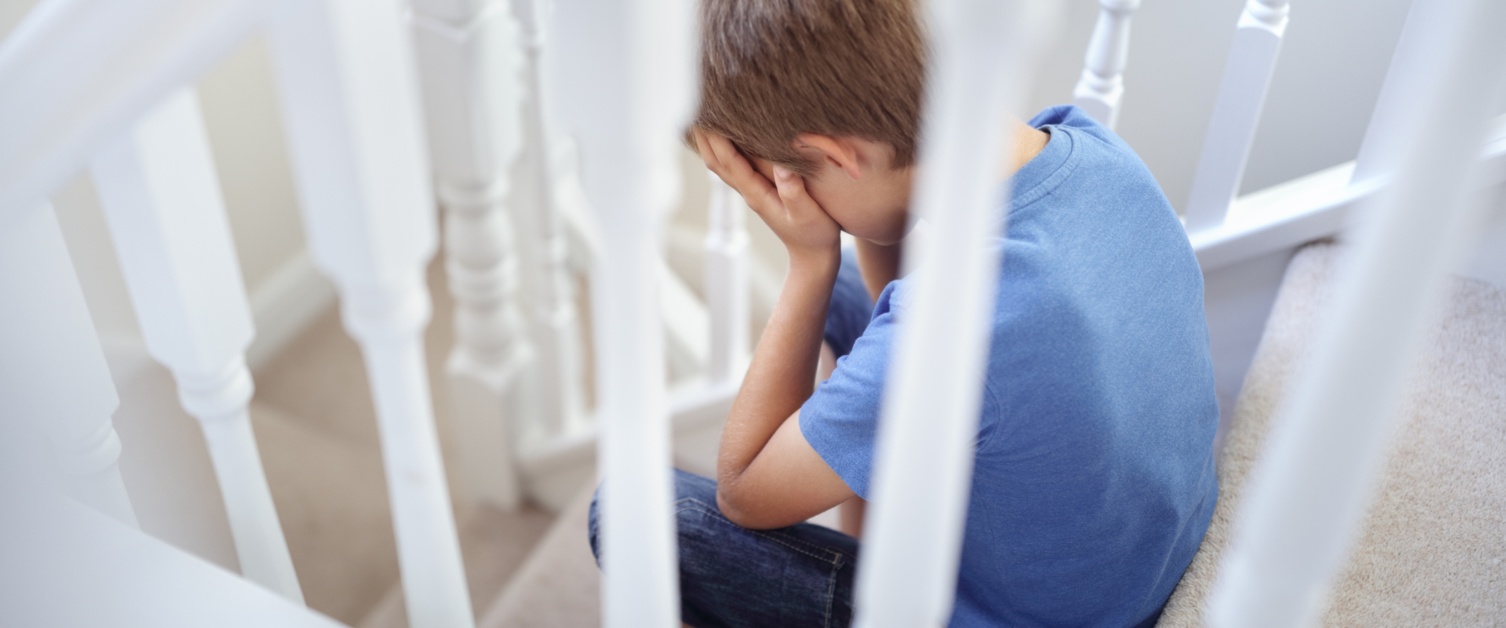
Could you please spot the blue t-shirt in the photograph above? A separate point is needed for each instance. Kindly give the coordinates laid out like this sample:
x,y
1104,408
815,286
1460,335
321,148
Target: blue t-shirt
x,y
1094,480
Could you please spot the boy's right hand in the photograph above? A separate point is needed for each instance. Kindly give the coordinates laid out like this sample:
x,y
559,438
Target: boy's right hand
x,y
807,231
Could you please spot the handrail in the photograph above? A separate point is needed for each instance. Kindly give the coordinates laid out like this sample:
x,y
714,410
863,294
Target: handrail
x,y
110,62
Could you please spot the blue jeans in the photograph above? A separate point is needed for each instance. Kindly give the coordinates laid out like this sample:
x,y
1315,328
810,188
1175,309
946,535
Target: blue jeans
x,y
733,576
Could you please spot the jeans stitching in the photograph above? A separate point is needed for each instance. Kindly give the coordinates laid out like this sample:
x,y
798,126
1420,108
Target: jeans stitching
x,y
835,557
831,590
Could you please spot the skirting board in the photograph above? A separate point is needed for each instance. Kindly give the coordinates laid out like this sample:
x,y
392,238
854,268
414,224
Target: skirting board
x,y
285,305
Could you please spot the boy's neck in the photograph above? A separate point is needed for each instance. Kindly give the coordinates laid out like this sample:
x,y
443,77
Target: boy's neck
x,y
1025,142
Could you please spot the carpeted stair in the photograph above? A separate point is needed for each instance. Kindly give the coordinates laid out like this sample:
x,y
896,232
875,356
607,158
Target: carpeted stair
x,y
1431,550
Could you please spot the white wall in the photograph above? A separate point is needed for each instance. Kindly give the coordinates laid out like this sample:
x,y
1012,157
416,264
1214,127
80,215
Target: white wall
x,y
1332,62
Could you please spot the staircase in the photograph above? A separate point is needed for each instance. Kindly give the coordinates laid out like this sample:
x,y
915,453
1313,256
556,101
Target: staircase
x,y
1430,551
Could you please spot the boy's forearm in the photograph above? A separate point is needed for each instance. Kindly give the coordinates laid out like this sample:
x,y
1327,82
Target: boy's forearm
x,y
879,264
782,373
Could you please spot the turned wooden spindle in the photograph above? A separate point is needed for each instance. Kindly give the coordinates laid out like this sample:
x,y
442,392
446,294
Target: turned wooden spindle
x,y
1101,86
471,61
624,86
52,371
161,198
350,101
1236,113
726,284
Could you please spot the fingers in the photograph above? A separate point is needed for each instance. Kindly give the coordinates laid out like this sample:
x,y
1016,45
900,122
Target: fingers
x,y
724,159
704,148
791,188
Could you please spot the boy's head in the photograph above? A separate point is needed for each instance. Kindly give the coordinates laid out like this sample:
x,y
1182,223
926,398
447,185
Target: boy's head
x,y
830,89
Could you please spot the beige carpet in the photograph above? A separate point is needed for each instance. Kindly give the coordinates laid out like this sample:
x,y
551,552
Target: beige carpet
x,y
559,586
1432,546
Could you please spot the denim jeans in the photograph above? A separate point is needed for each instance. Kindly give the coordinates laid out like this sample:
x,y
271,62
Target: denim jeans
x,y
733,576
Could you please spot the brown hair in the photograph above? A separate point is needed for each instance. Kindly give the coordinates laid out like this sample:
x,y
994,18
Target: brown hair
x,y
773,69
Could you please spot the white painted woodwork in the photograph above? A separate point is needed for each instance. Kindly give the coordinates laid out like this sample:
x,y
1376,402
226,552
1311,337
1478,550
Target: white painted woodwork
x,y
1401,88
928,425
65,565
350,101
471,65
1236,113
77,71
625,75
553,322
1101,86
1311,491
726,286
161,198
687,326
52,372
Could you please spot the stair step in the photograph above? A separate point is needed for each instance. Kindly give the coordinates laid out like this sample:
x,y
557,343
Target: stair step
x,y
331,497
494,545
559,585
1430,549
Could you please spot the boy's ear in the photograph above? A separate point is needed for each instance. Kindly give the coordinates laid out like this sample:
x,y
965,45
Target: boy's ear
x,y
842,152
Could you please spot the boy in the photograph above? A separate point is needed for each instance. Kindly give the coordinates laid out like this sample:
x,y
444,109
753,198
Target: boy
x,y
1094,478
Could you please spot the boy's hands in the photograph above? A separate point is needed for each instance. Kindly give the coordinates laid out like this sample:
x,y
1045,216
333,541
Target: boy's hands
x,y
807,231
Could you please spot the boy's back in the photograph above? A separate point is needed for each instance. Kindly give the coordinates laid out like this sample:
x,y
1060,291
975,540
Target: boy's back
x,y
1094,478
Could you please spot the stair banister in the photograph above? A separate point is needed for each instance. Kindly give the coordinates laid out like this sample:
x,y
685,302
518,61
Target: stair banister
x,y
928,426
110,62
1101,86
622,79
1236,112
350,102
726,284
161,199
52,371
1308,496
1400,89
471,67
557,404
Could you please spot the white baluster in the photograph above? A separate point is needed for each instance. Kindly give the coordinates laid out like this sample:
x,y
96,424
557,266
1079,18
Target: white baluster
x,y
1236,113
553,321
109,62
726,283
929,422
627,71
1101,86
162,199
1312,488
351,105
52,371
471,63
1401,89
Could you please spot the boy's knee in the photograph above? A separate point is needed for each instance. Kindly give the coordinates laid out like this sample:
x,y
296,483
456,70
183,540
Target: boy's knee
x,y
687,486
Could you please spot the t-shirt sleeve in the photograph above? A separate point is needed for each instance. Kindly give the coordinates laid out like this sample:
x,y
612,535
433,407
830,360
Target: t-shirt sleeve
x,y
840,420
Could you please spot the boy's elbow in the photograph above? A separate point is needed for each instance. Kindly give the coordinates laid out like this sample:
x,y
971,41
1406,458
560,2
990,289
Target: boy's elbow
x,y
735,507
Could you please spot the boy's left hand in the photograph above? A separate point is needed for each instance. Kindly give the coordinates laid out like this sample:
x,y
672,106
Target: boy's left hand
x,y
807,231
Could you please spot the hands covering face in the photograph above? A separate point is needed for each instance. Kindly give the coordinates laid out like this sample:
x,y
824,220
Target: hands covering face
x,y
807,231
